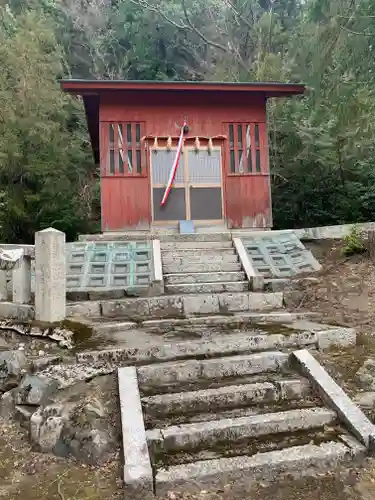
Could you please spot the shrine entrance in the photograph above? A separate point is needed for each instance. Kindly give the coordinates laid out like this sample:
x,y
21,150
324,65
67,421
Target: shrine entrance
x,y
197,190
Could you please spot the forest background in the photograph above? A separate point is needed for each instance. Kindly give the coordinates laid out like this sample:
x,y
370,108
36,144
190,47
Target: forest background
x,y
322,146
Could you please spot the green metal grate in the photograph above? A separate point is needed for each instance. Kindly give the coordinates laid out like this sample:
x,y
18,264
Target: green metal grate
x,y
279,255
108,265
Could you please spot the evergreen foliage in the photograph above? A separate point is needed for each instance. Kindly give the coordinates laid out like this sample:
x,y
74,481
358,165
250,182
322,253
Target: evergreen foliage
x,y
322,146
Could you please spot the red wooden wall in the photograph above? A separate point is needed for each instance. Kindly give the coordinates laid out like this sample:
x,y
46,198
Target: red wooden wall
x,y
126,199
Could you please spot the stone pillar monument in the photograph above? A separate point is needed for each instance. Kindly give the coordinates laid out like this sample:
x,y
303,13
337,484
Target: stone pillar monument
x,y
22,281
50,275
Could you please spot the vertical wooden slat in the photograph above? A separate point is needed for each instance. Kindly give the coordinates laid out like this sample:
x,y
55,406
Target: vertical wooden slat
x,y
227,156
230,146
235,147
116,148
121,155
139,151
253,148
245,146
144,155
227,167
239,132
134,149
127,146
104,148
258,149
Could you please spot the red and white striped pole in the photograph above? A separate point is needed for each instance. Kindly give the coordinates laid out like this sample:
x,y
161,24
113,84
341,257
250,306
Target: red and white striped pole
x,y
172,175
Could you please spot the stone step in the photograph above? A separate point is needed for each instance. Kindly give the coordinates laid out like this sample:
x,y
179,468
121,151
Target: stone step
x,y
208,277
195,245
206,434
218,345
242,472
170,373
247,411
162,235
219,287
200,235
201,252
207,250
225,398
113,326
176,306
236,319
197,258
210,265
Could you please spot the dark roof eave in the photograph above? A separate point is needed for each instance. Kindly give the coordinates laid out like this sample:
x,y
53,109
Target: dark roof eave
x,y
269,89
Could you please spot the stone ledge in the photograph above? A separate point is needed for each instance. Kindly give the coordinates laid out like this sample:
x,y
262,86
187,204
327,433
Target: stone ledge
x,y
335,397
185,371
244,472
21,312
221,345
178,306
202,434
244,317
256,280
225,398
138,476
336,337
332,232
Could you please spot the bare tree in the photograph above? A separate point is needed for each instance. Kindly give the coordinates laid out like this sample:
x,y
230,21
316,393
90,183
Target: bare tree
x,y
238,31
90,19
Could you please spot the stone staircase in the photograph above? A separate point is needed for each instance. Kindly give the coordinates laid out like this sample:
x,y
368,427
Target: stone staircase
x,y
230,408
245,418
202,267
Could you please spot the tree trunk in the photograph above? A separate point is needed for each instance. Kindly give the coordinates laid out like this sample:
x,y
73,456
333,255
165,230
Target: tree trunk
x,y
371,244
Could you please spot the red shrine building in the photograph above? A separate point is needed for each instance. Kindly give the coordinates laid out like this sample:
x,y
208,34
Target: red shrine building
x,y
181,151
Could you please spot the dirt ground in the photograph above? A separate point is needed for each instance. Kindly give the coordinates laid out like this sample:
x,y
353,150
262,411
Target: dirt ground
x,y
343,292
32,476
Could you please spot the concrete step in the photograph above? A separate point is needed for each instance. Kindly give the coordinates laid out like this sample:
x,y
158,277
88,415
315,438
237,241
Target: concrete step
x,y
198,258
175,373
219,287
247,411
162,235
176,306
209,423
209,277
235,320
217,345
206,434
242,472
225,398
239,319
195,245
202,234
113,326
211,253
201,266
